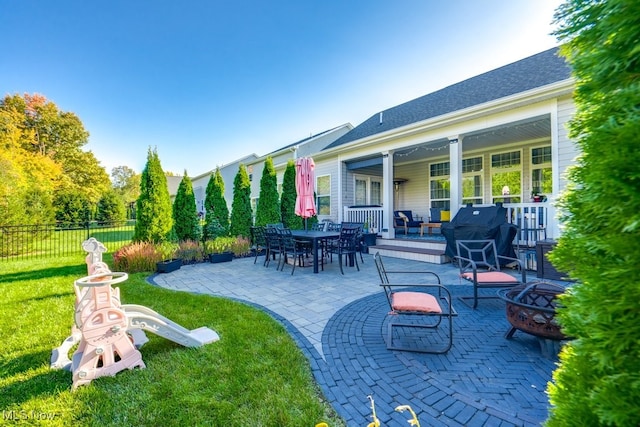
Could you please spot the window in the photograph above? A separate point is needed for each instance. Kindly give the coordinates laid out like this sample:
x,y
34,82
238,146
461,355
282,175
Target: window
x,y
323,194
376,193
472,180
361,192
439,185
541,180
506,171
368,191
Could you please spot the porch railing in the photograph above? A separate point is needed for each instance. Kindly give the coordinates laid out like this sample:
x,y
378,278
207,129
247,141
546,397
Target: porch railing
x,y
532,220
372,216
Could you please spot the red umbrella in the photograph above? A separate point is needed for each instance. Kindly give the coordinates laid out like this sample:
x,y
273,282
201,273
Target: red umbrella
x,y
305,177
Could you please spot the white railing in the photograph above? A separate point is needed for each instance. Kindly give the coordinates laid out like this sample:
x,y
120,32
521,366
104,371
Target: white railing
x,y
372,216
529,216
533,223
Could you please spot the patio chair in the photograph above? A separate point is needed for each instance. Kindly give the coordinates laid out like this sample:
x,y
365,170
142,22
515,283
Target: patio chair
x,y
360,238
426,304
404,219
291,248
258,242
479,263
347,245
273,245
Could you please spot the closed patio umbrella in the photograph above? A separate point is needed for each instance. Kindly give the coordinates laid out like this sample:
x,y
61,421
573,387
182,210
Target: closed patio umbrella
x,y
305,177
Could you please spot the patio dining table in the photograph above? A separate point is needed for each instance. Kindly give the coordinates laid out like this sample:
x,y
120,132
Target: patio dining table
x,y
315,237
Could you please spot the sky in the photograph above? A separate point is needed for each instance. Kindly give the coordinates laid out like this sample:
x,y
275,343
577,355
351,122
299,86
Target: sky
x,y
208,82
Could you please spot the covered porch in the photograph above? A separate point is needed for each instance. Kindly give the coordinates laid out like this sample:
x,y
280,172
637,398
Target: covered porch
x,y
515,163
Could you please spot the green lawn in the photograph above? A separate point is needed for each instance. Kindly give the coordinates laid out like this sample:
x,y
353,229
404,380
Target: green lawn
x,y
255,375
39,241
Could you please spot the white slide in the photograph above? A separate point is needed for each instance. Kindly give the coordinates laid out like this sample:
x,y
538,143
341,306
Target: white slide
x,y
141,317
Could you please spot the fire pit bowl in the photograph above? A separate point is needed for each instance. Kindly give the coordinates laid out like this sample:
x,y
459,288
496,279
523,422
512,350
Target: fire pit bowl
x,y
531,308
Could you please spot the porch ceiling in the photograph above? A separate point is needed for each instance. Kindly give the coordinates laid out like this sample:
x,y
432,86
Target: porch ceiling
x,y
523,130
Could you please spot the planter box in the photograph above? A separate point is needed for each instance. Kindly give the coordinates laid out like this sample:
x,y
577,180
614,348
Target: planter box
x,y
223,257
169,265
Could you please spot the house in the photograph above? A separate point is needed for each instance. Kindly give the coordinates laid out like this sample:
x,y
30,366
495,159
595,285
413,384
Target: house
x,y
255,165
465,143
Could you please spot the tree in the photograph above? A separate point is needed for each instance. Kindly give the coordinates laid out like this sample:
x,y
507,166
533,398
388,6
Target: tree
x,y
153,207
72,207
47,132
217,212
241,215
110,208
185,215
597,381
268,209
28,179
126,182
288,198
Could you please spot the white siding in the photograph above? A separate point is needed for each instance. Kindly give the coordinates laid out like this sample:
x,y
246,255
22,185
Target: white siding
x,y
567,149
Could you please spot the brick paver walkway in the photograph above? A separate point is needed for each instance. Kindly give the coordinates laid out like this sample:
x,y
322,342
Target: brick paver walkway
x,y
339,323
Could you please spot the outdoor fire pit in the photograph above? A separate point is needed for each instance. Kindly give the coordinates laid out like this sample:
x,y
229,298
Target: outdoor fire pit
x,y
531,308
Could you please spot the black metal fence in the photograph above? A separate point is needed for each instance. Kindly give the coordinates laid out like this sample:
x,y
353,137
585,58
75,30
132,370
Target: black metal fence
x,y
52,240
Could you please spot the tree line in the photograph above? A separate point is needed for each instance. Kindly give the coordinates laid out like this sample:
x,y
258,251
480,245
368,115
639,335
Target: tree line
x,y
46,176
158,220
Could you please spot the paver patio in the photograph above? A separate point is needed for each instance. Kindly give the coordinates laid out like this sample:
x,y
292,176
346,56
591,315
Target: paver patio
x,y
339,322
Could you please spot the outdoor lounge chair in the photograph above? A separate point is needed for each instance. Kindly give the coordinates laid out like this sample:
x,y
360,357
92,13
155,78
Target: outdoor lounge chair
x,y
479,263
404,219
426,304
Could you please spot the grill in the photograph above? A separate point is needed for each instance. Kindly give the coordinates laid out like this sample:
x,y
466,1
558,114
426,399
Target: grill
x,y
480,223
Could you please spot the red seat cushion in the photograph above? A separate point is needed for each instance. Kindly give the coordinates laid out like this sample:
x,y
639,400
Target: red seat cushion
x,y
415,301
491,277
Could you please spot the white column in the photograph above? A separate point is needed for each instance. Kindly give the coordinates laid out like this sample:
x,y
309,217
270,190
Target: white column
x,y
455,168
387,195
553,232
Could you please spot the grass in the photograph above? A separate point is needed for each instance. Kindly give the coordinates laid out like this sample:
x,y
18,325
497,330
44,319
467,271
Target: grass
x,y
255,374
36,241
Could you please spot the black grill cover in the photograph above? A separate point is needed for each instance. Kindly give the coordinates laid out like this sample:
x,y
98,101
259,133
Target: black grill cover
x,y
480,223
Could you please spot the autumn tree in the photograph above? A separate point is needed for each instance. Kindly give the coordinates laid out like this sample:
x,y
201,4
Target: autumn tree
x,y
268,209
45,147
241,215
288,198
185,215
153,208
597,381
28,179
217,211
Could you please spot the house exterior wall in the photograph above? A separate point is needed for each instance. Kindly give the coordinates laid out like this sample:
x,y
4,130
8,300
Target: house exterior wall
x,y
255,166
567,149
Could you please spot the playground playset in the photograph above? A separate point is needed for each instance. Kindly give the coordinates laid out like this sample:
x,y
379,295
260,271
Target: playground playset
x,y
108,333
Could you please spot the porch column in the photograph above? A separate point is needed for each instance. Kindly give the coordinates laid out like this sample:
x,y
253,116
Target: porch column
x,y
553,232
455,171
388,231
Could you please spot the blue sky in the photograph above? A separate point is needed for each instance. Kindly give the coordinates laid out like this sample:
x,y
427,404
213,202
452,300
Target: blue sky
x,y
208,82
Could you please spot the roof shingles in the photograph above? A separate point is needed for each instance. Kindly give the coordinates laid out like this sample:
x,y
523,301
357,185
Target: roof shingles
x,y
535,71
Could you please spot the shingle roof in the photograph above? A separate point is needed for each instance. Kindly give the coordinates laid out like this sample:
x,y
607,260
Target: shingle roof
x,y
535,71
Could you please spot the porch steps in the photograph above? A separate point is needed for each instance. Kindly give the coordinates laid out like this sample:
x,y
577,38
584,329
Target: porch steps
x,y
417,250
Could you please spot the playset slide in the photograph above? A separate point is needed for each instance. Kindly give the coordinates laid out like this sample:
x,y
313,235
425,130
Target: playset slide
x,y
141,317
109,334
